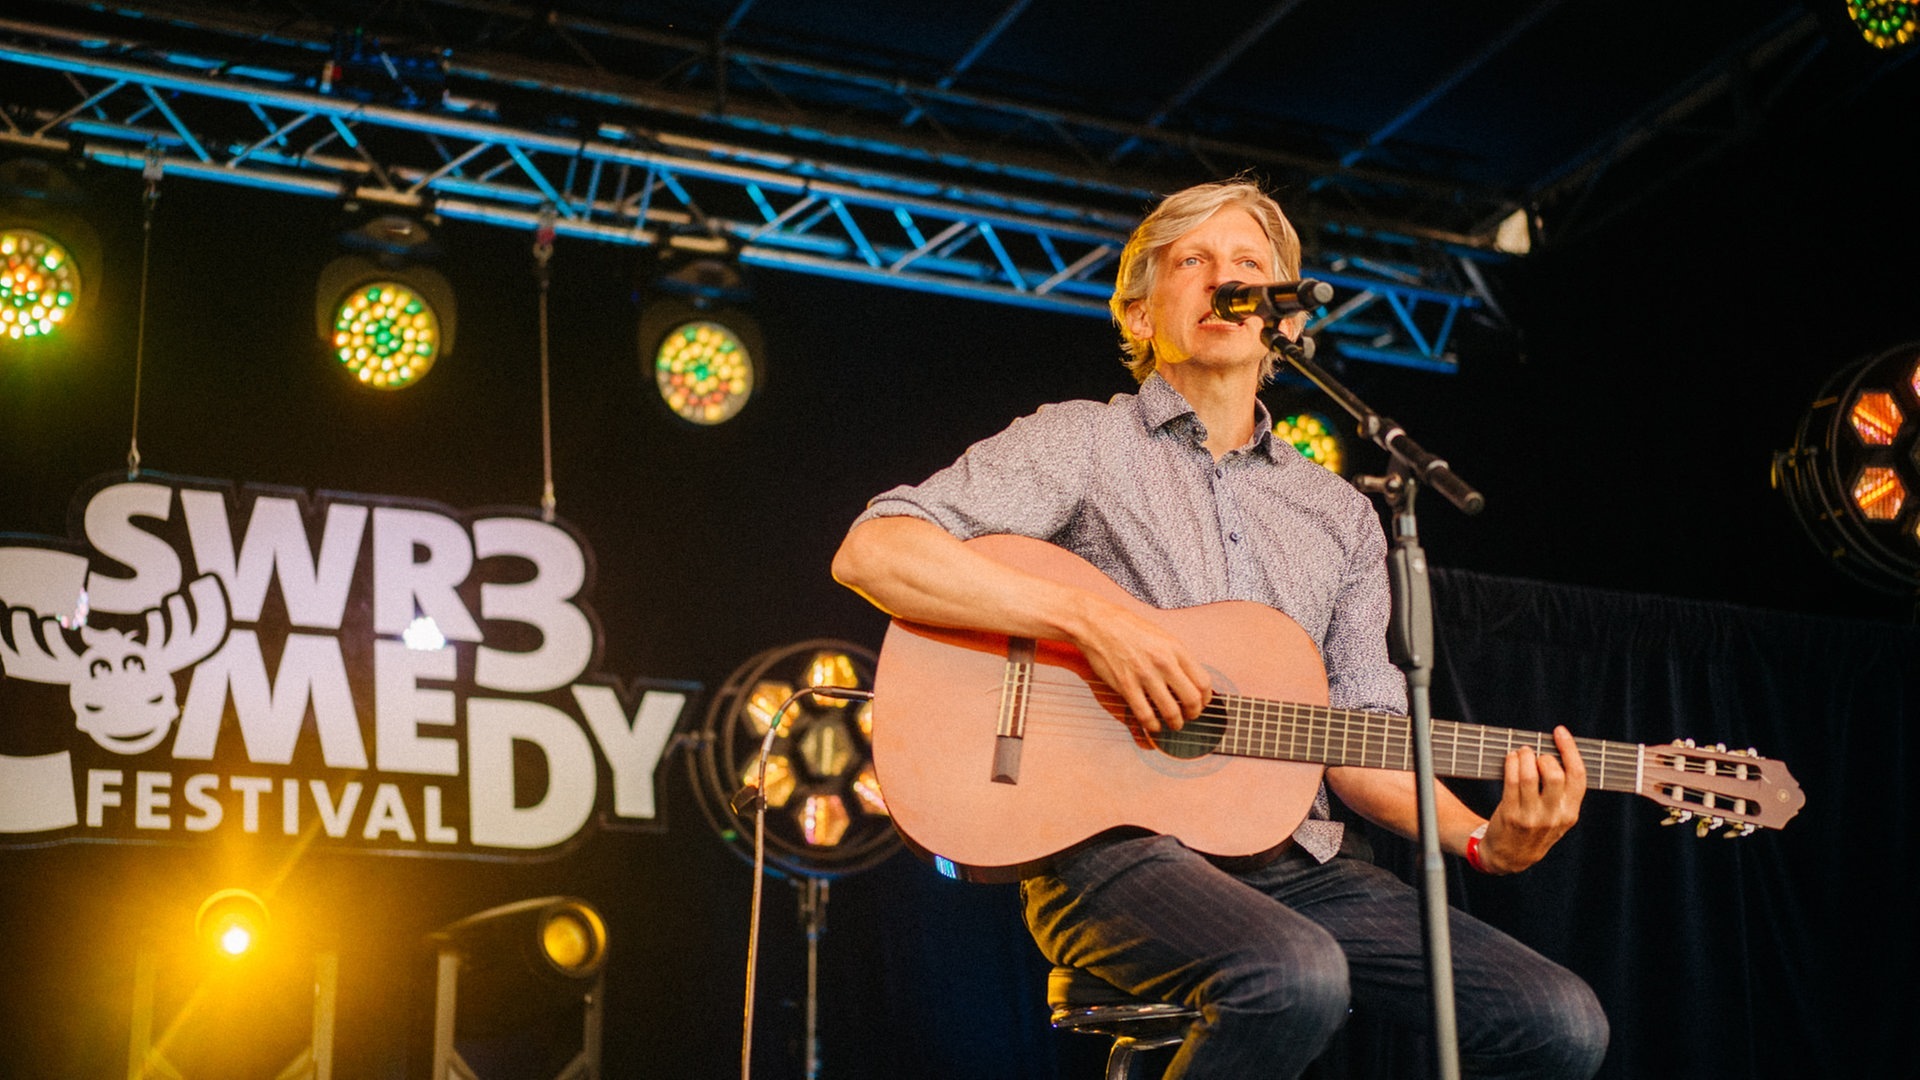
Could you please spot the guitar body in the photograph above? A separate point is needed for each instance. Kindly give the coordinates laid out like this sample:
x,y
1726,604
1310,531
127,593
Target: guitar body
x,y
1082,770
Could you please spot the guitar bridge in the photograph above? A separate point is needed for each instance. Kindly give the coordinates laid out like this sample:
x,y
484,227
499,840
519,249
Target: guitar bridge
x,y
1010,733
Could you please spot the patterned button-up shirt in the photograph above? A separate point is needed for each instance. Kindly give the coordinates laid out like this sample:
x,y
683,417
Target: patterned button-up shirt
x,y
1131,487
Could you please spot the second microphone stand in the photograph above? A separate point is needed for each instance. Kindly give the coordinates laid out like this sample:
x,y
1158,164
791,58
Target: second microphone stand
x,y
1410,642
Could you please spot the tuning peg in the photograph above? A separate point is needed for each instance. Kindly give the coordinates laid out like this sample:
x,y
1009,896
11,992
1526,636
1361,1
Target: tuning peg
x,y
1720,747
1707,825
1677,816
1740,829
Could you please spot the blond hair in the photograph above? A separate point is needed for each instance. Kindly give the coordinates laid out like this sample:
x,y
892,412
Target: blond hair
x,y
1177,215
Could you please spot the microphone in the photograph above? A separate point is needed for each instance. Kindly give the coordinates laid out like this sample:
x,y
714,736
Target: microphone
x,y
1236,302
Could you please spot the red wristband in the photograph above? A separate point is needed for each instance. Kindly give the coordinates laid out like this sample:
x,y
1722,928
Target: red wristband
x,y
1473,850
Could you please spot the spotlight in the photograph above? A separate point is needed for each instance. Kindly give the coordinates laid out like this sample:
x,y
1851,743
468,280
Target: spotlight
x,y
188,992
530,968
1853,472
700,348
48,252
551,936
385,317
231,923
1316,437
826,817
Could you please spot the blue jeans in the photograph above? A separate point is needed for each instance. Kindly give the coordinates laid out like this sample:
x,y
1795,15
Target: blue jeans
x,y
1273,958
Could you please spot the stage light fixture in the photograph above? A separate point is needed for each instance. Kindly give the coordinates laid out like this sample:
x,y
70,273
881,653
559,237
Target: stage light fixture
x,y
48,252
187,990
232,923
1853,471
1885,24
826,815
38,284
529,968
386,334
1316,437
698,345
386,318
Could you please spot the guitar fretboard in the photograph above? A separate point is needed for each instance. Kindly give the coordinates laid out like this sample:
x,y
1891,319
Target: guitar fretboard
x,y
1332,736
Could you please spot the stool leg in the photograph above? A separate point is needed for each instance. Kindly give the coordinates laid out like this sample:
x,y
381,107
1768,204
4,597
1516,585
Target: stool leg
x,y
1120,1059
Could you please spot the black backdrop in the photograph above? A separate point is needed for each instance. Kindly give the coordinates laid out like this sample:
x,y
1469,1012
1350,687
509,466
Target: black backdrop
x,y
1624,446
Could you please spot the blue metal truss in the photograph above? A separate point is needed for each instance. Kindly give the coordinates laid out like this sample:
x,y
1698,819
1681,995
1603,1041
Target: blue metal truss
x,y
267,128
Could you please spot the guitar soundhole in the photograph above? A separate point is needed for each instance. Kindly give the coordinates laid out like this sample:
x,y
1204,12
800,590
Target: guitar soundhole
x,y
1188,743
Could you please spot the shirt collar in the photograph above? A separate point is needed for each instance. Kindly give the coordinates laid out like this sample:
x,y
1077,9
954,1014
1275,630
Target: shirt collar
x,y
1160,405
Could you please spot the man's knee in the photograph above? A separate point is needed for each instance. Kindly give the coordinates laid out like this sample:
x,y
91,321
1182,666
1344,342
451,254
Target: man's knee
x,y
1579,1028
1561,1032
1304,980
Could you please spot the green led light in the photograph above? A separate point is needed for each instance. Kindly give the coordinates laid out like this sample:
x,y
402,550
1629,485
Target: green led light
x,y
386,334
704,372
1885,24
38,285
1314,438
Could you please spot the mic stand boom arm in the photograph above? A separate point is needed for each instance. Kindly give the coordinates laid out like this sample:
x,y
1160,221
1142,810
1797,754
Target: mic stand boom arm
x,y
1410,642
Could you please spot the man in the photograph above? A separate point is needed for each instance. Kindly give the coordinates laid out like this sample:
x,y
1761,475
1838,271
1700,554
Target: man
x,y
1182,496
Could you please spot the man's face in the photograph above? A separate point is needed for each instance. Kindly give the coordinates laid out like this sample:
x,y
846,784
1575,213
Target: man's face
x,y
1178,314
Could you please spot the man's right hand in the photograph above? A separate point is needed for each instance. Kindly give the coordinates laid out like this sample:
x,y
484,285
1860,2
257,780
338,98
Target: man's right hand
x,y
1163,683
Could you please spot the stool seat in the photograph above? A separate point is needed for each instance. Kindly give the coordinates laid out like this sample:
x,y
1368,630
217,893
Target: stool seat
x,y
1082,1001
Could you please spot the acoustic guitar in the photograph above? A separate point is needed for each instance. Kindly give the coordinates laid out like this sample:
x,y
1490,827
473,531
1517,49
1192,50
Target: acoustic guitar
x,y
996,754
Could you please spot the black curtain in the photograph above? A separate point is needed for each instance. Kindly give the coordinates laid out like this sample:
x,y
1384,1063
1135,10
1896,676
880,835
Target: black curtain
x,y
1781,954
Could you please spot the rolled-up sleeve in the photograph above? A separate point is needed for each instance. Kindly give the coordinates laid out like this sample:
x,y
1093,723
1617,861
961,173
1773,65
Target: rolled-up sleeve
x,y
1029,480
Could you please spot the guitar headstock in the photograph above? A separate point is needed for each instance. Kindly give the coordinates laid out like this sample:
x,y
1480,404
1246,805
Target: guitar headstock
x,y
1717,788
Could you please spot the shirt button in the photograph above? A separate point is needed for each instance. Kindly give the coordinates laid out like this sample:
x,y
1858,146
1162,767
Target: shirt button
x,y
1219,473
1234,536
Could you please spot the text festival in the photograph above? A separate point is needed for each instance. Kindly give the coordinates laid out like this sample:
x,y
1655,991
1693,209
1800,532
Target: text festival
x,y
388,675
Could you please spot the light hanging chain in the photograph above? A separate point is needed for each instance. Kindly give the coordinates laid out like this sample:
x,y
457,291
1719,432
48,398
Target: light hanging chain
x,y
152,173
542,253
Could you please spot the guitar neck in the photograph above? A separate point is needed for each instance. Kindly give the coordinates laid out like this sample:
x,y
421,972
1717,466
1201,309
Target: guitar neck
x,y
1332,736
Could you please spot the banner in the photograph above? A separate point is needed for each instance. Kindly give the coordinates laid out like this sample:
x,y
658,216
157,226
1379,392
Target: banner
x,y
201,659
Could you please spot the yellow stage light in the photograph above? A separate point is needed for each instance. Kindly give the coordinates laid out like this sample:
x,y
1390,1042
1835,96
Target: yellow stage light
x,y
704,371
232,923
1317,439
527,972
39,284
698,345
385,316
386,334
574,938
49,253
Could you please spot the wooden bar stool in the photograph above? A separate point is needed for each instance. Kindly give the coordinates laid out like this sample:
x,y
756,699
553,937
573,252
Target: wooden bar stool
x,y
1085,1002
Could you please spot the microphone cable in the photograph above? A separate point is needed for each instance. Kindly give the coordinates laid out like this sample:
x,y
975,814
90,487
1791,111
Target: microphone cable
x,y
754,794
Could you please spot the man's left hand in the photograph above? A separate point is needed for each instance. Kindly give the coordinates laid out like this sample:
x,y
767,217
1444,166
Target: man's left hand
x,y
1540,802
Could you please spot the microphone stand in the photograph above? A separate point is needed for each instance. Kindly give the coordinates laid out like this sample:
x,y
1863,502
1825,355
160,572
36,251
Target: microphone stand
x,y
1410,643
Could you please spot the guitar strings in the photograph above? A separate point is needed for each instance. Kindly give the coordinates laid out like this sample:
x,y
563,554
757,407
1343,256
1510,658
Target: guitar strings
x,y
1383,738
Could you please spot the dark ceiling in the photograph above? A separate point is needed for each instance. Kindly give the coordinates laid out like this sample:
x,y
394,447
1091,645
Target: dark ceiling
x,y
1431,119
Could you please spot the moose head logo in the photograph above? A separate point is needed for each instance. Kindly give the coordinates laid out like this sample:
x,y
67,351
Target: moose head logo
x,y
122,683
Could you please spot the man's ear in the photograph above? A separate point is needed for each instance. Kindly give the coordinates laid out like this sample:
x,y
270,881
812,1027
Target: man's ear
x,y
1139,322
